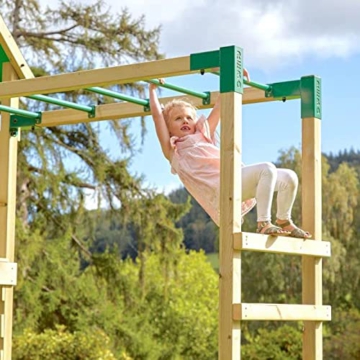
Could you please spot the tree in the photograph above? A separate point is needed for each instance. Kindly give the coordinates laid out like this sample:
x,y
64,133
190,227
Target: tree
x,y
58,165
200,232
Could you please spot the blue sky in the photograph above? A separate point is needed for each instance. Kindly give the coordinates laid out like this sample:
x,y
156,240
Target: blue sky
x,y
282,40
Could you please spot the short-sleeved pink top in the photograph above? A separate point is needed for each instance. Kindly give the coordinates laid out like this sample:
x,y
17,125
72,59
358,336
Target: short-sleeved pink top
x,y
196,160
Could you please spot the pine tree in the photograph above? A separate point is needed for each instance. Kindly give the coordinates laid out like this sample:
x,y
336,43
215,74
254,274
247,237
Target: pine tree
x,y
75,37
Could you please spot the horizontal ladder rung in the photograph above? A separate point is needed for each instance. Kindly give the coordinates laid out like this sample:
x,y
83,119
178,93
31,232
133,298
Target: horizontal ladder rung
x,y
281,244
281,312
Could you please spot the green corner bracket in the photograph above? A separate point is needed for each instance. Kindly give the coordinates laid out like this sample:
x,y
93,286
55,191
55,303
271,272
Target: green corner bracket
x,y
230,61
286,90
205,60
3,59
310,97
19,121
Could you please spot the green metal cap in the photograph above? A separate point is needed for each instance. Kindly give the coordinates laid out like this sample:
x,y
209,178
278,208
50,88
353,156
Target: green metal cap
x,y
231,69
310,92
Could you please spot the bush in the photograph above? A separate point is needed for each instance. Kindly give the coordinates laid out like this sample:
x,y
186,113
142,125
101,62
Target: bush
x,y
60,344
283,343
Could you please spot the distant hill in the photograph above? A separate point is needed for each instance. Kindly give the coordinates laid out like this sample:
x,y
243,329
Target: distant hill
x,y
352,157
199,230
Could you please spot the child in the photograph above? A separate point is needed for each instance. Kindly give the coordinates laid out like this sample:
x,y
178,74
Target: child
x,y
188,143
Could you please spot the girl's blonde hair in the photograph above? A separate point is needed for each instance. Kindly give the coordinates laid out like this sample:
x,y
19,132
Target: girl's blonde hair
x,y
177,103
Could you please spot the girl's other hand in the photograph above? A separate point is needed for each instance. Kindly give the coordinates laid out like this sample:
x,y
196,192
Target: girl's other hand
x,y
246,74
155,86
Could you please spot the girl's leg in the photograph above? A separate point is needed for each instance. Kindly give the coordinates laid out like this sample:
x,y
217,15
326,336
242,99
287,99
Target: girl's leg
x,y
259,181
286,186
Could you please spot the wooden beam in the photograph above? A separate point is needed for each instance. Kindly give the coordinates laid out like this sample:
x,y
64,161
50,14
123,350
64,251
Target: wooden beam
x,y
312,218
230,222
281,312
8,273
8,171
281,244
12,51
97,77
123,110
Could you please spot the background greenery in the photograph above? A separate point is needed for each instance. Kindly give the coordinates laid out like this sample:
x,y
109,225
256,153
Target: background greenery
x,y
139,281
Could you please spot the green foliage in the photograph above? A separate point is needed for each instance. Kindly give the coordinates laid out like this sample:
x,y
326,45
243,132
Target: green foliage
x,y
283,343
162,322
59,344
200,232
343,340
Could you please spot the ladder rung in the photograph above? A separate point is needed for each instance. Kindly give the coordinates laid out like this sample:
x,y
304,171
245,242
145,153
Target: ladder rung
x,y
281,244
281,312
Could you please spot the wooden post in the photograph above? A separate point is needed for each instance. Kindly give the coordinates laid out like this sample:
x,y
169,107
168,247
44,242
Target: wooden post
x,y
8,162
230,201
311,209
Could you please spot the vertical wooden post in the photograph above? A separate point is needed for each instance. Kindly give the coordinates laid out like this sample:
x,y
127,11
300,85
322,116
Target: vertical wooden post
x,y
311,208
8,163
231,87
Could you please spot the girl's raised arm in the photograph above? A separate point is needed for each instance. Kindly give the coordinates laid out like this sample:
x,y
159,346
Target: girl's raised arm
x,y
162,131
214,116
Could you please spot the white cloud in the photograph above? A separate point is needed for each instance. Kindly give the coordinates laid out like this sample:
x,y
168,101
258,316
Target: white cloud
x,y
272,32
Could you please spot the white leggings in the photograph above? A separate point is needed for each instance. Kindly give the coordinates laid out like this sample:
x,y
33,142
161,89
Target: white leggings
x,y
260,181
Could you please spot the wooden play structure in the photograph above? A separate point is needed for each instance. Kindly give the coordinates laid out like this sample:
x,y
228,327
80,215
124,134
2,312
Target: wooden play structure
x,y
17,80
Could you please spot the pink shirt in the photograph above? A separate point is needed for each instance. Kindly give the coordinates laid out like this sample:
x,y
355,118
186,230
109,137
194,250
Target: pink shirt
x,y
196,160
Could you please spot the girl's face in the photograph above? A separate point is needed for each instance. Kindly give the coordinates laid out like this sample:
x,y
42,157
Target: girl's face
x,y
182,121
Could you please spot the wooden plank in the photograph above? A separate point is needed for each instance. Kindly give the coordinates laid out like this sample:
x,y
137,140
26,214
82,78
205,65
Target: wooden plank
x,y
8,273
2,326
230,205
281,244
281,312
109,76
12,51
123,110
312,218
97,77
254,96
8,165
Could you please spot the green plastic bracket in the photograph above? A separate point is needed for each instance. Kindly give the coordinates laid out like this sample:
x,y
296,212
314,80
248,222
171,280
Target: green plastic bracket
x,y
286,90
205,60
3,59
207,100
231,69
92,113
19,121
310,96
147,107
